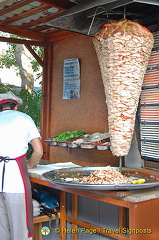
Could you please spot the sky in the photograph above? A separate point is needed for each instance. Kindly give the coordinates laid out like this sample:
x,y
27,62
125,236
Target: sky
x,y
9,75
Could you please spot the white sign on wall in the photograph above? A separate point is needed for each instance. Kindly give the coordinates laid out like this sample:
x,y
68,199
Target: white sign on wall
x,y
71,79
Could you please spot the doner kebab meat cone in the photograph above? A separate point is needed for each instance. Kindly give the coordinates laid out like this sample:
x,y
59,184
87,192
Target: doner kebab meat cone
x,y
123,49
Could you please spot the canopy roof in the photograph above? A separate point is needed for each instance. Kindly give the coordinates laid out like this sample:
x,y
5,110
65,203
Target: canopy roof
x,y
28,19
44,20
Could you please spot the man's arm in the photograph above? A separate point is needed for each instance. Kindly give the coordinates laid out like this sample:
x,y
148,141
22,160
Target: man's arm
x,y
37,153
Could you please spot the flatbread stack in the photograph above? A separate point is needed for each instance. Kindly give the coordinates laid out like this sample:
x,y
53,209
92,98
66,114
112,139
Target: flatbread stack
x,y
123,49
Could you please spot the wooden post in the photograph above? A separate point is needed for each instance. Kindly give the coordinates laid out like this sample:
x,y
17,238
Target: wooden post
x,y
143,220
122,217
75,215
62,215
46,96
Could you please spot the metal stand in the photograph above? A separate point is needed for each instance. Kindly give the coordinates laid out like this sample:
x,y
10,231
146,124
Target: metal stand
x,y
94,18
120,163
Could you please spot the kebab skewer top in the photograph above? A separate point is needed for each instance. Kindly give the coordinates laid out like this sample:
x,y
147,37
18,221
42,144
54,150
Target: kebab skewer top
x,y
123,49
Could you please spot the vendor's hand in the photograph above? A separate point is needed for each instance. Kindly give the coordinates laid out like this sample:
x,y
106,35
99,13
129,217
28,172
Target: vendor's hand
x,y
30,167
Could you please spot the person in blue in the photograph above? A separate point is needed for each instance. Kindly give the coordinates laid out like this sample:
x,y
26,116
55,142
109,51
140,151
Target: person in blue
x,y
17,130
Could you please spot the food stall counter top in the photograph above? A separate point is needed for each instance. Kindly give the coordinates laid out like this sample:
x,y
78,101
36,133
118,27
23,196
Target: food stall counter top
x,y
138,195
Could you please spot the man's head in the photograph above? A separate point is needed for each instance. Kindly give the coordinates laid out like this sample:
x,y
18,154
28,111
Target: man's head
x,y
9,101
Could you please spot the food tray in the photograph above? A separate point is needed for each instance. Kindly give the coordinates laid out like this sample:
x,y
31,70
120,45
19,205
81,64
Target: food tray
x,y
85,145
62,144
52,143
55,176
72,145
104,146
99,146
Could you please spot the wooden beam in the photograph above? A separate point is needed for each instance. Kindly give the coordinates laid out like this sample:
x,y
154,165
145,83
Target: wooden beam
x,y
42,28
97,229
41,20
48,31
60,34
14,7
22,41
63,214
75,215
122,217
64,4
30,12
21,32
39,60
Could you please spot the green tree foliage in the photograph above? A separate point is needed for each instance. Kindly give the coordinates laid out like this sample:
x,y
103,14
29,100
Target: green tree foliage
x,y
31,102
8,60
35,65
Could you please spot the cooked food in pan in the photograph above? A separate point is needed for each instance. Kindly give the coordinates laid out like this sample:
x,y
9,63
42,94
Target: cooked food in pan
x,y
108,175
103,178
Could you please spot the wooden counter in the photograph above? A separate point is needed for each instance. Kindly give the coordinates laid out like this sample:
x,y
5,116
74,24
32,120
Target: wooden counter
x,y
139,207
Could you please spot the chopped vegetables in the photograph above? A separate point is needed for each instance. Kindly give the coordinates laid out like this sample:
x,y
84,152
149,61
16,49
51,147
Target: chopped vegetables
x,y
68,135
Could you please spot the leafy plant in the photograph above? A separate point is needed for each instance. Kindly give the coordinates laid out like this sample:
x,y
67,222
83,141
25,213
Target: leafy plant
x,y
10,59
31,102
68,135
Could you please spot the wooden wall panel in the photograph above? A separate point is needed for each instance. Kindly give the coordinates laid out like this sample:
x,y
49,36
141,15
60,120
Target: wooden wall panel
x,y
89,112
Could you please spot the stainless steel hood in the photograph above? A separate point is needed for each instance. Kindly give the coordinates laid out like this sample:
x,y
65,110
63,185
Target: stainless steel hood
x,y
87,16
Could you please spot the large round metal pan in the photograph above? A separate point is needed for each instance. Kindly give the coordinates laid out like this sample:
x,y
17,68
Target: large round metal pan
x,y
58,176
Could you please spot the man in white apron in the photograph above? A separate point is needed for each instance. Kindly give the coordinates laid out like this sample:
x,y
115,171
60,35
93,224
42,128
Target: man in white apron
x,y
16,131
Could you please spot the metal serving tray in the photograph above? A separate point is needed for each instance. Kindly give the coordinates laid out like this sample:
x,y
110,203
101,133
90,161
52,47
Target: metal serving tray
x,y
86,145
55,176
